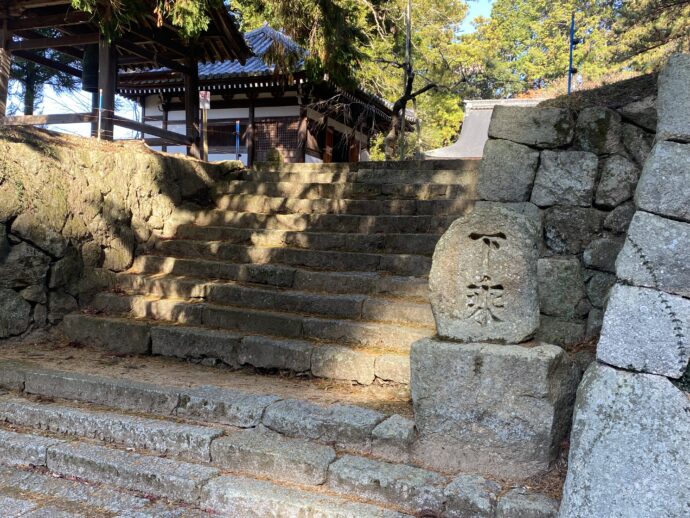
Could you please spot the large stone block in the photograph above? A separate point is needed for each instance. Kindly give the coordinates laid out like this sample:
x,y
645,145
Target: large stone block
x,y
562,287
602,252
599,131
29,228
568,230
656,253
507,171
638,143
24,266
646,330
554,330
617,181
483,279
14,313
629,454
496,410
641,113
673,103
539,127
565,178
663,186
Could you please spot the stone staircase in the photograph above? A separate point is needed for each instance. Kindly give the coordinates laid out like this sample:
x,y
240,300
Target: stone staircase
x,y
313,269
295,299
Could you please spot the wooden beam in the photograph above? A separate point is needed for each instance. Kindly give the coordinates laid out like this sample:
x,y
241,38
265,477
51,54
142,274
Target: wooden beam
x,y
49,21
160,38
250,135
54,65
107,83
53,43
40,120
191,105
151,57
146,129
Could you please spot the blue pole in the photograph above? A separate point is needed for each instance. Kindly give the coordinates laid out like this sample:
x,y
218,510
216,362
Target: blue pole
x,y
572,44
237,139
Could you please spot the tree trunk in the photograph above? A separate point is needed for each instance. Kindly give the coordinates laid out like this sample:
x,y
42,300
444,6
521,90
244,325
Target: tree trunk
x,y
29,95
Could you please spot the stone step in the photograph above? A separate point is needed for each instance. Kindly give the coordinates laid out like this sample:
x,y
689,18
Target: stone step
x,y
198,485
280,205
418,244
374,283
397,264
30,493
323,222
348,426
356,307
349,190
236,349
381,336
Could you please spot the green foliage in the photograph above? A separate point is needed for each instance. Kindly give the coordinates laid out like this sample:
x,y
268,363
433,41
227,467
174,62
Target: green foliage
x,y
189,16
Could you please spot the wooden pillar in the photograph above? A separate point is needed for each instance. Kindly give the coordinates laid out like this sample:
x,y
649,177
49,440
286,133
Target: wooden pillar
x,y
5,61
302,130
107,83
250,133
142,103
94,112
191,106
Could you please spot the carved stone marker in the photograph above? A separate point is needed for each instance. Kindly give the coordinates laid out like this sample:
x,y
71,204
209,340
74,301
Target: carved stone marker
x,y
483,280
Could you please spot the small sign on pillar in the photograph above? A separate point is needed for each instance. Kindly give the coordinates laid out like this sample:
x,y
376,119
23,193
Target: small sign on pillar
x,y
204,106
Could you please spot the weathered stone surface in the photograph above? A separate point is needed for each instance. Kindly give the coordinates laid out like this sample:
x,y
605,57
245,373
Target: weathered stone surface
x,y
123,394
628,447
4,243
273,353
595,320
65,273
187,441
258,499
154,475
73,491
539,127
617,181
195,342
483,279
506,172
29,228
341,424
638,143
268,454
12,375
471,495
59,305
641,113
21,449
554,330
34,294
519,503
393,438
414,489
601,253
14,313
233,407
646,330
495,410
599,131
117,335
568,230
674,107
656,253
599,286
14,507
393,368
24,266
342,363
618,219
662,188
562,287
565,178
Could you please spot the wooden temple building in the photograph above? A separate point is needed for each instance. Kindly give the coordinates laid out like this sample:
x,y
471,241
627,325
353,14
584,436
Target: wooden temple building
x,y
276,111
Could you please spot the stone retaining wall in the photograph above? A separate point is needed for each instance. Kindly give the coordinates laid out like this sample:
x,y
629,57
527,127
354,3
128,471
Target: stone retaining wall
x,y
73,209
580,169
630,455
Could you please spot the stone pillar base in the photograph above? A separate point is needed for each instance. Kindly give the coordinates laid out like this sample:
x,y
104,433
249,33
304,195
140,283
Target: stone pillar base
x,y
498,410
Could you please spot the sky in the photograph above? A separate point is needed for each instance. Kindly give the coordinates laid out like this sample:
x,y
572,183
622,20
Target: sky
x,y
80,101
